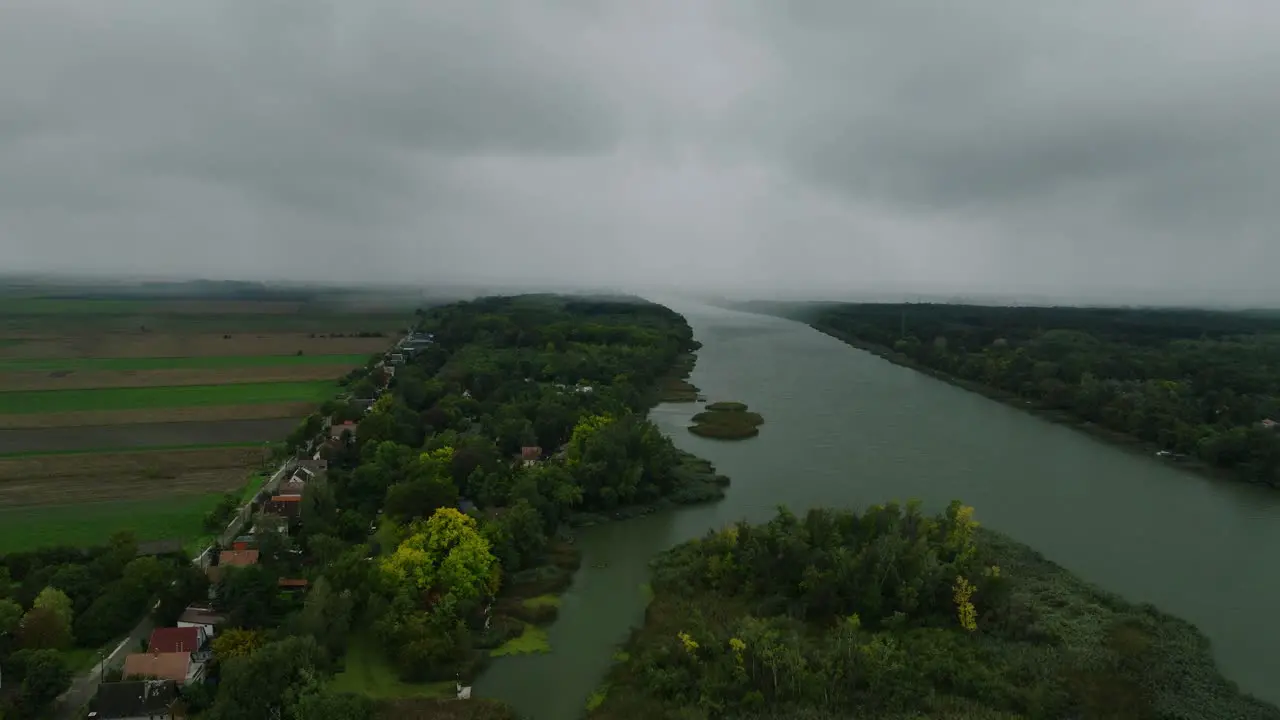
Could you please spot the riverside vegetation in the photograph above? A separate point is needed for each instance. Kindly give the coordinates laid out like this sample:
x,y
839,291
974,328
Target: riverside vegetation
x,y
1198,384
890,613
524,417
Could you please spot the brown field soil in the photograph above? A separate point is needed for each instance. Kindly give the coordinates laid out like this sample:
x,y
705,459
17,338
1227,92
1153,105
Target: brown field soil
x,y
150,345
85,379
144,435
58,479
155,415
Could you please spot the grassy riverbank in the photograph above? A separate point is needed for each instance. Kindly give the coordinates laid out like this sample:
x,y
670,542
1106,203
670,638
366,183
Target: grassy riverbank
x,y
788,619
1060,417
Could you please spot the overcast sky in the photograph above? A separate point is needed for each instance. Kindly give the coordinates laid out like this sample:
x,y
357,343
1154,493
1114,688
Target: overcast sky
x,y
822,148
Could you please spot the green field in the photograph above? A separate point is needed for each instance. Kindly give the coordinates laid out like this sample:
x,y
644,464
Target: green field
x,y
368,672
157,321
176,363
64,306
87,524
49,401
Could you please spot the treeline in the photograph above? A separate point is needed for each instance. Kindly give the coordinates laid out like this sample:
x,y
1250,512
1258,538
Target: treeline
x,y
1194,383
891,613
445,513
60,604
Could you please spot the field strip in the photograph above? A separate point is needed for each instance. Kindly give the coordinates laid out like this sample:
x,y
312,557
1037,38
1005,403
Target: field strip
x,y
150,345
150,463
86,524
210,413
178,363
94,379
144,448
160,397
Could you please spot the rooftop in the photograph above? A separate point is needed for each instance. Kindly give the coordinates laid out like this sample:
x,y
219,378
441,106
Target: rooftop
x,y
238,557
174,640
165,666
134,698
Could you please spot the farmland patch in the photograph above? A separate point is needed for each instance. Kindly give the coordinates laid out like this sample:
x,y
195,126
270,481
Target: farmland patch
x,y
143,435
58,380
209,413
148,397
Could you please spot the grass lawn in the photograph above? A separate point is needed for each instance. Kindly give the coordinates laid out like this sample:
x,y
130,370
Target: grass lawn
x,y
176,363
368,672
86,524
532,640
251,488
50,401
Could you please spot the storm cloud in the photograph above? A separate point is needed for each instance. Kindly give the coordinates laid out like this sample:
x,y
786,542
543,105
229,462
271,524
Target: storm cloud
x,y
1089,149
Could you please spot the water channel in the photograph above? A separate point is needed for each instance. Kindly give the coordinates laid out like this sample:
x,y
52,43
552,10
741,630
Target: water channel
x,y
845,428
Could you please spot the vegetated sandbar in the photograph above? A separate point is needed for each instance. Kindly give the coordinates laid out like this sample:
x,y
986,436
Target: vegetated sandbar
x,y
207,413
726,421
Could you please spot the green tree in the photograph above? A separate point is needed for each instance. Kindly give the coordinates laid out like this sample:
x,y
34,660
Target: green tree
x,y
10,617
46,678
326,705
269,683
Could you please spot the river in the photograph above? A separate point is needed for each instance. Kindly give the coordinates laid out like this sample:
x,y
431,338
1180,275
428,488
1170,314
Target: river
x,y
846,428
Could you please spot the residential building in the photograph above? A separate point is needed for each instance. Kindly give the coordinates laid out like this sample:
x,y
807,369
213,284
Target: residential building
x,y
288,506
175,640
134,700
530,455
203,618
338,430
175,666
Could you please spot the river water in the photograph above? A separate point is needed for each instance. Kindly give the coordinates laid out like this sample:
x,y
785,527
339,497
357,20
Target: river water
x,y
846,428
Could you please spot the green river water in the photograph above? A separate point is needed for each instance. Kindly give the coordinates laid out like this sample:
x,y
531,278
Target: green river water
x,y
845,428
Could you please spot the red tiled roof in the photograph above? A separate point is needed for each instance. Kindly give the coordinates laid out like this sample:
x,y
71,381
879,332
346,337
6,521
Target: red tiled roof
x,y
530,453
238,557
286,498
174,639
166,666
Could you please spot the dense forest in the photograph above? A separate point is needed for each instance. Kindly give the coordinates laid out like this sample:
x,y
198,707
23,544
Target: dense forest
x,y
1199,384
891,613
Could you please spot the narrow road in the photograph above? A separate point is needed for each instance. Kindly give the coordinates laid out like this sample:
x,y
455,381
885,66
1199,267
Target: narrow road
x,y
83,687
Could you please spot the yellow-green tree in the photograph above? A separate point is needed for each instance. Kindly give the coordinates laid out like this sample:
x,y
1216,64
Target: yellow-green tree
x,y
235,643
445,554
589,425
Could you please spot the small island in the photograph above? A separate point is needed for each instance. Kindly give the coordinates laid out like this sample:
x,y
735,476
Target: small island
x,y
892,613
726,421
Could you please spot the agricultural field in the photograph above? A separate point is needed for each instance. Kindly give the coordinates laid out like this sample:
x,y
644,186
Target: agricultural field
x,y
124,411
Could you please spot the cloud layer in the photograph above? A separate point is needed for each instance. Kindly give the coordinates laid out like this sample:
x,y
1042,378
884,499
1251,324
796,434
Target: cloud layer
x,y
1081,149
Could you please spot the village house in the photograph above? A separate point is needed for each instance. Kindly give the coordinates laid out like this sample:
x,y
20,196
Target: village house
x,y
530,455
175,666
231,558
134,700
338,431
202,618
176,640
287,506
292,584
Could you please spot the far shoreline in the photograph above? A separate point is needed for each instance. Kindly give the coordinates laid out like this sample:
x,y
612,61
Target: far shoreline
x,y
1058,417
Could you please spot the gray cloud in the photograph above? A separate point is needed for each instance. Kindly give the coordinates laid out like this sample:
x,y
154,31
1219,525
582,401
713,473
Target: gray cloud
x,y
1080,149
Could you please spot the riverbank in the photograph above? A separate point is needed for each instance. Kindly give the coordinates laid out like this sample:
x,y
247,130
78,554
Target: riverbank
x,y
1034,641
1059,417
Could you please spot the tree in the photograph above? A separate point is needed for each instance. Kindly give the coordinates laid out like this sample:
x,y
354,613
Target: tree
x,y
44,628
234,643
10,617
446,553
248,595
46,678
56,601
268,683
326,616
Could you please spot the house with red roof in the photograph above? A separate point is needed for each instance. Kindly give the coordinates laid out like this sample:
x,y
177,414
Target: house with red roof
x,y
175,640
